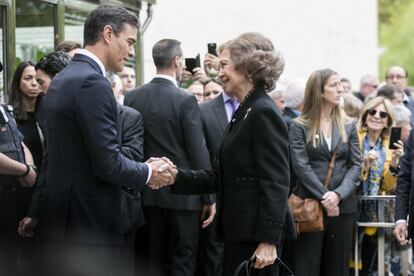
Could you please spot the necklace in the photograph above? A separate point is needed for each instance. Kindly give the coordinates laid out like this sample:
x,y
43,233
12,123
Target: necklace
x,y
247,96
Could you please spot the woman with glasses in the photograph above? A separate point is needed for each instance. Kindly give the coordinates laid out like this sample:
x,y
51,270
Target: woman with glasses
x,y
379,169
321,131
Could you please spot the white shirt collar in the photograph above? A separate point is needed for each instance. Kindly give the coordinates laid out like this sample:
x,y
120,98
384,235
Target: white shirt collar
x,y
162,76
95,58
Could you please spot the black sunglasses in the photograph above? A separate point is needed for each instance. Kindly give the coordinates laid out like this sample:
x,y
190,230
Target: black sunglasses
x,y
248,264
373,111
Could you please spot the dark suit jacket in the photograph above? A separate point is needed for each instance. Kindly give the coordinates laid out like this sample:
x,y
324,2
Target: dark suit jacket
x,y
85,165
131,138
172,128
289,115
251,174
311,165
405,188
214,122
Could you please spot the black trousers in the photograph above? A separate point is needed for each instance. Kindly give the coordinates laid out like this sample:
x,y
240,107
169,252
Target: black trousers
x,y
8,233
324,253
236,253
173,241
78,259
210,252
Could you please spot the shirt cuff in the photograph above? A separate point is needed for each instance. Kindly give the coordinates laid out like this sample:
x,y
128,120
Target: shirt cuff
x,y
400,221
149,172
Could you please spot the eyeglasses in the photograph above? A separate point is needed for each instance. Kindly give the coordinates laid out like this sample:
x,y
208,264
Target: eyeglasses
x,y
373,111
398,77
375,86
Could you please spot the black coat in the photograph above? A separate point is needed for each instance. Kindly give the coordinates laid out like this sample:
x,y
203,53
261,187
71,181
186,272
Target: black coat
x,y
172,128
85,166
251,174
405,189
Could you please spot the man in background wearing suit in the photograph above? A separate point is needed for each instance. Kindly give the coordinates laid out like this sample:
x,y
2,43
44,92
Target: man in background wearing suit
x,y
86,168
215,115
404,195
172,128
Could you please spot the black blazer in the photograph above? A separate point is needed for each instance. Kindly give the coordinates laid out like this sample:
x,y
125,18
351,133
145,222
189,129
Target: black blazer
x,y
131,138
251,174
311,165
405,188
85,165
214,122
172,128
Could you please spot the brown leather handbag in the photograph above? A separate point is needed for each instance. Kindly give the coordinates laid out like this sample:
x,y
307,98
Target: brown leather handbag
x,y
308,212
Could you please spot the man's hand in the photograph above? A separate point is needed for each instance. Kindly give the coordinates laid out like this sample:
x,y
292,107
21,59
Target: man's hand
x,y
163,172
26,227
211,64
265,255
330,200
207,214
400,232
29,180
199,75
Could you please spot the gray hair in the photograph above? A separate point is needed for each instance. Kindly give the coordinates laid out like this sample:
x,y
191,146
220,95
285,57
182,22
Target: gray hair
x,y
402,114
367,78
295,93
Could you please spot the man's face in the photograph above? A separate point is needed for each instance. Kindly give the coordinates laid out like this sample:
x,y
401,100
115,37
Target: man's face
x,y
43,80
347,87
396,76
370,87
128,80
121,47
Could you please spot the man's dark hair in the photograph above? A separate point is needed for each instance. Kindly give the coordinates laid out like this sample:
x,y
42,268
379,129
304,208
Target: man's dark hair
x,y
387,91
67,46
53,63
164,51
114,16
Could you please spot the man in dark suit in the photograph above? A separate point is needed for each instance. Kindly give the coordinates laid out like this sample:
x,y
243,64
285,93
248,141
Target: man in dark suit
x,y
404,195
294,95
172,128
215,115
86,168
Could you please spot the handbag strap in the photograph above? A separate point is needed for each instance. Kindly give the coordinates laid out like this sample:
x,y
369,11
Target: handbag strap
x,y
247,265
331,167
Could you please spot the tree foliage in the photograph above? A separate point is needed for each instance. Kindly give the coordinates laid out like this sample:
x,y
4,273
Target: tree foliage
x,y
396,19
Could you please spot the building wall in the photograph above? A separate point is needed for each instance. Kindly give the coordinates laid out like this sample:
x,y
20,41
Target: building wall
x,y
341,34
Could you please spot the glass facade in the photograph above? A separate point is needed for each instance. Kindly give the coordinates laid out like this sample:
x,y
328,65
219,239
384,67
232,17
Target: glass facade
x,y
32,28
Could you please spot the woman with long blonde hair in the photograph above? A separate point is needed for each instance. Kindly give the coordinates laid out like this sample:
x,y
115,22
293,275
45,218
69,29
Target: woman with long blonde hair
x,y
322,130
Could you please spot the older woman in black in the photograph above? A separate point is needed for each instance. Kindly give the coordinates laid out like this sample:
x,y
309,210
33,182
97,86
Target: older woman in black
x,y
251,172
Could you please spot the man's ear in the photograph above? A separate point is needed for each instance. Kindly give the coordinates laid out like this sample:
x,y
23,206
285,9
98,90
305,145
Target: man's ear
x,y
107,33
177,61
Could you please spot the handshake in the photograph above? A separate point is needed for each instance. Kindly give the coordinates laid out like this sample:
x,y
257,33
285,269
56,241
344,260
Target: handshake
x,y
164,172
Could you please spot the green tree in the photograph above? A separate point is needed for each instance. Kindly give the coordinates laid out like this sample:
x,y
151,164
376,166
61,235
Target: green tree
x,y
397,35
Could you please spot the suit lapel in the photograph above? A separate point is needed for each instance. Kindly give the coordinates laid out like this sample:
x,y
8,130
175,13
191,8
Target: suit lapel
x,y
335,136
220,111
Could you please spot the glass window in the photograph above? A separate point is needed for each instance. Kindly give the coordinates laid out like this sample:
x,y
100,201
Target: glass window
x,y
74,20
34,29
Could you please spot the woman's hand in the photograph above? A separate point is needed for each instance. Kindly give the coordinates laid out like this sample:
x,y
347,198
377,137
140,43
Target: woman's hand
x,y
330,200
265,255
397,153
372,155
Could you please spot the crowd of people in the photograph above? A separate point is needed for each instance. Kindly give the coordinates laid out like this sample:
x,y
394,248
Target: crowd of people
x,y
190,174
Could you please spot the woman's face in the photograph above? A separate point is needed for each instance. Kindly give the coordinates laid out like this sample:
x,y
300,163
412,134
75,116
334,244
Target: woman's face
x,y
28,84
228,75
377,118
332,91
